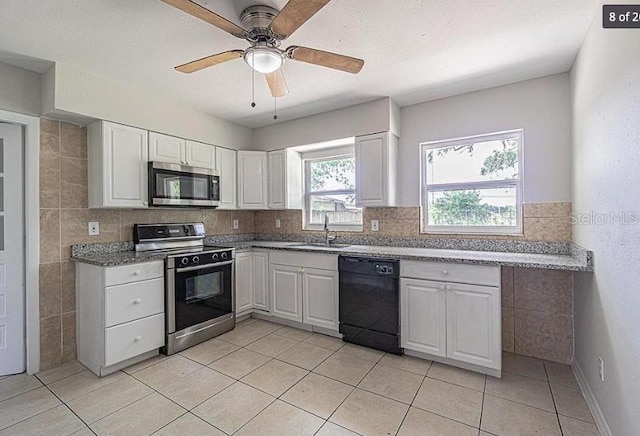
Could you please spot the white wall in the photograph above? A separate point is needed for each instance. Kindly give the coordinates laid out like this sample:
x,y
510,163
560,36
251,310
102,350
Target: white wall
x,y
19,90
372,117
606,179
77,92
541,107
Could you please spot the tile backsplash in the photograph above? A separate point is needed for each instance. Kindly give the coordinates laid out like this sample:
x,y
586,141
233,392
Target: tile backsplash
x,y
530,325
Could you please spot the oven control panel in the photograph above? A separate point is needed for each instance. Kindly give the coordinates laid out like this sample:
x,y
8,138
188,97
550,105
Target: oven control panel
x,y
201,258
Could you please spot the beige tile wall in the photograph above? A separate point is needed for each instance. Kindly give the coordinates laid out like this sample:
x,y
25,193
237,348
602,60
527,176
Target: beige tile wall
x,y
63,222
542,222
537,313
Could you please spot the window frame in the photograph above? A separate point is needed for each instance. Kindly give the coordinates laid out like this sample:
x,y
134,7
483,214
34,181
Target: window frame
x,y
426,188
306,215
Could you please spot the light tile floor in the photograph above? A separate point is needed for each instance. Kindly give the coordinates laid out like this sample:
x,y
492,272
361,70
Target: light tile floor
x,y
267,379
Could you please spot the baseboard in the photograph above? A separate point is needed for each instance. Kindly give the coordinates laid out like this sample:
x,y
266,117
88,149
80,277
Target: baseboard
x,y
598,416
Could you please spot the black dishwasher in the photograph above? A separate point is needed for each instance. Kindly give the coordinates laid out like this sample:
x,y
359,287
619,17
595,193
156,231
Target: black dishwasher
x,y
370,302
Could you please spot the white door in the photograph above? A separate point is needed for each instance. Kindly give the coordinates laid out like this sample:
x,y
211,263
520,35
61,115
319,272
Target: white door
x,y
261,280
200,155
12,328
473,325
320,298
286,291
165,148
277,177
244,282
252,180
371,169
423,316
226,164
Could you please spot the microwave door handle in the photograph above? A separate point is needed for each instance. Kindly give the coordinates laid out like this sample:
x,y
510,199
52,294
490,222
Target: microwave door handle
x,y
211,265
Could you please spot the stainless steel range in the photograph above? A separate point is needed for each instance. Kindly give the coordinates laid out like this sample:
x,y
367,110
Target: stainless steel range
x,y
200,300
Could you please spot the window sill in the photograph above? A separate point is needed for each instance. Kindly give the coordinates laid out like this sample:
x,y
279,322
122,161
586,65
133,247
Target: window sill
x,y
337,229
461,232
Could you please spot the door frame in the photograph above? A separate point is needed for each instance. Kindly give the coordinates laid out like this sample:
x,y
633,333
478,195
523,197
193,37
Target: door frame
x,y
31,176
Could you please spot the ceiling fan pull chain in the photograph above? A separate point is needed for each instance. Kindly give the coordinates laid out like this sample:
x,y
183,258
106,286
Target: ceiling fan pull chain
x,y
253,85
275,108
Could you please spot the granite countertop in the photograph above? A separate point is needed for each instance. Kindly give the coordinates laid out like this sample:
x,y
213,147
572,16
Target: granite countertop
x,y
577,260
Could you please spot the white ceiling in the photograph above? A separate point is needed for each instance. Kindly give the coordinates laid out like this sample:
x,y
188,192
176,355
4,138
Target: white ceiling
x,y
414,50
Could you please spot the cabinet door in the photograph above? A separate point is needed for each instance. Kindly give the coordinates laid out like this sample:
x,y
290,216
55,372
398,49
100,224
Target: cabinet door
x,y
376,170
244,282
252,180
286,292
226,165
320,298
277,179
200,155
261,280
165,148
422,316
124,167
474,325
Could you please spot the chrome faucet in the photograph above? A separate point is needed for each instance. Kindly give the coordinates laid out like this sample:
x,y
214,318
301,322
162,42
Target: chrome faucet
x,y
328,240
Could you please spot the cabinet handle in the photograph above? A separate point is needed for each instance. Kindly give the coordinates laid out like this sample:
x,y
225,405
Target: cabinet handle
x,y
448,287
136,273
145,203
441,286
137,339
137,301
445,272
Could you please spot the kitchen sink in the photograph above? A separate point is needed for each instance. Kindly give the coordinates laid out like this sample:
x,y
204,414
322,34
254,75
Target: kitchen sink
x,y
319,245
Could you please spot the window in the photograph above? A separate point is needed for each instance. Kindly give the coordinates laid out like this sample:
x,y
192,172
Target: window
x,y
473,185
330,190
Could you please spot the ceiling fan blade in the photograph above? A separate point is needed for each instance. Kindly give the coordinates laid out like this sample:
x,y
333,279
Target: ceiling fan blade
x,y
210,17
295,14
277,84
325,59
210,61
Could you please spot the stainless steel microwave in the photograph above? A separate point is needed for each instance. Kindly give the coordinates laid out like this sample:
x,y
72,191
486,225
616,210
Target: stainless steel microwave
x,y
183,186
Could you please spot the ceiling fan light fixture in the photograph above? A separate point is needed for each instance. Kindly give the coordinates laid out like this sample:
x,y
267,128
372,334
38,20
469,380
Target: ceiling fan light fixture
x,y
264,60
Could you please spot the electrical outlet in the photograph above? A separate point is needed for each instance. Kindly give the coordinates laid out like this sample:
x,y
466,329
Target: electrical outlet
x,y
94,228
277,223
375,225
236,224
601,368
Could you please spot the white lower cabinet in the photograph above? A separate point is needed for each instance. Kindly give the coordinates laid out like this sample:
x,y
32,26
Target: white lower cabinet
x,y
244,282
423,317
252,281
286,286
261,280
474,324
119,314
320,298
458,322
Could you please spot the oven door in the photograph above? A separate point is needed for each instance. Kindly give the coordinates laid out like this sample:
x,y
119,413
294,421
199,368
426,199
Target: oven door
x,y
180,185
198,295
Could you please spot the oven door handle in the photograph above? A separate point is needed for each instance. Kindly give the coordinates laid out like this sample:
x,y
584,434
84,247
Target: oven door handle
x,y
210,265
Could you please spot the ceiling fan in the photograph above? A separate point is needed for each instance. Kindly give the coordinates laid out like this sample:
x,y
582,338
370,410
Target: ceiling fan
x,y
265,28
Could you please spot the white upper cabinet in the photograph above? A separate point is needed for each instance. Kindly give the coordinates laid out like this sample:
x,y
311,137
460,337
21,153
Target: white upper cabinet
x,y
118,166
252,180
165,148
200,155
285,179
226,165
376,169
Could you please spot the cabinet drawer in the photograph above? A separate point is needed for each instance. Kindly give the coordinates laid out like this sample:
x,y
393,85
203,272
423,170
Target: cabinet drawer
x,y
300,259
118,275
131,301
133,338
451,272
